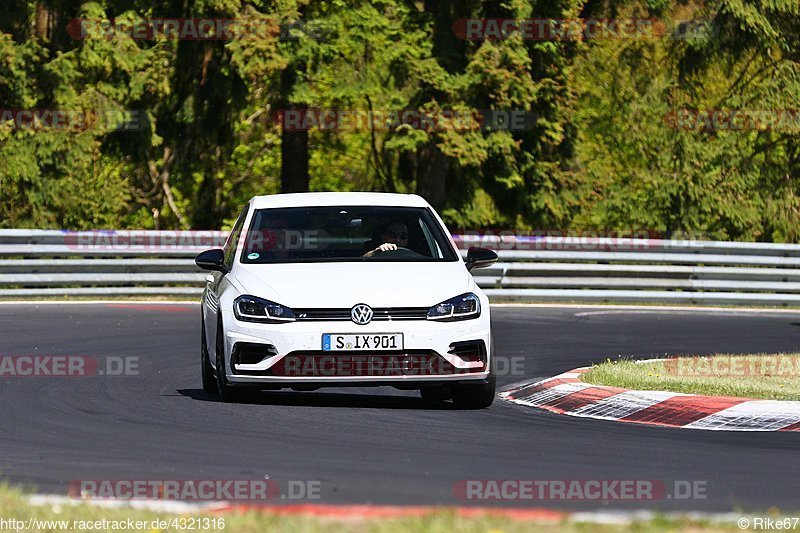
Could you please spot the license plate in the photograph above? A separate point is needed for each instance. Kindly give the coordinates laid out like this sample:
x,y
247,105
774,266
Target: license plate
x,y
335,342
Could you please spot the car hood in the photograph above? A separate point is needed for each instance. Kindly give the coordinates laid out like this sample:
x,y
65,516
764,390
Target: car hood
x,y
342,285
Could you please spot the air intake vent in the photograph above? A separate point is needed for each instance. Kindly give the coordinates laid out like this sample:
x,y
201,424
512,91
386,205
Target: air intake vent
x,y
248,353
469,350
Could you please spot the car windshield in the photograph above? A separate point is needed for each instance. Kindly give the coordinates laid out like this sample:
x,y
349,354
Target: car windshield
x,y
345,233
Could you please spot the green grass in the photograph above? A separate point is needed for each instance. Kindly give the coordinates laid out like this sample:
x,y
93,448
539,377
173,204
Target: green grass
x,y
14,504
761,376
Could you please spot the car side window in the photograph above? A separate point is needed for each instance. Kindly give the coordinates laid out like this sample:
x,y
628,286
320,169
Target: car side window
x,y
233,239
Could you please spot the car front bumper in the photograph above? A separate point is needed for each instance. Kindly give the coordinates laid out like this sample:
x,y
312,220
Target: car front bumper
x,y
293,353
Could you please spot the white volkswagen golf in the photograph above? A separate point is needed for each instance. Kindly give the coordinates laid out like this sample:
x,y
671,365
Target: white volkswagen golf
x,y
345,289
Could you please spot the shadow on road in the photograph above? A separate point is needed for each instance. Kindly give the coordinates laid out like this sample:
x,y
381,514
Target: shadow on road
x,y
325,399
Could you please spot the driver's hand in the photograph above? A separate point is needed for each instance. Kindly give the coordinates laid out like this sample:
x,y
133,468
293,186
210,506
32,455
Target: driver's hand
x,y
385,247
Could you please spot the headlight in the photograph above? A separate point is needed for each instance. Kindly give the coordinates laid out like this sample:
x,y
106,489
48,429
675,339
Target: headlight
x,y
461,307
252,309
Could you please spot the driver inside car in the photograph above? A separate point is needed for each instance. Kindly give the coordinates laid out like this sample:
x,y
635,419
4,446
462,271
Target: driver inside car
x,y
393,236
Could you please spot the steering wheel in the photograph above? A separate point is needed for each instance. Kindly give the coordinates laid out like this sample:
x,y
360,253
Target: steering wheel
x,y
400,252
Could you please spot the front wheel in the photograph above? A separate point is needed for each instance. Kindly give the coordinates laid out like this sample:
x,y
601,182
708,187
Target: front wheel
x,y
226,391
477,396
207,371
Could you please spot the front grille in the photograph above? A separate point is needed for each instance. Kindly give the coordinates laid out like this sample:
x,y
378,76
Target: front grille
x,y
379,314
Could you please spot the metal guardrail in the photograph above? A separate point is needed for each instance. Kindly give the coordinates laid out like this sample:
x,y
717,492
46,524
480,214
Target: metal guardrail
x,y
47,263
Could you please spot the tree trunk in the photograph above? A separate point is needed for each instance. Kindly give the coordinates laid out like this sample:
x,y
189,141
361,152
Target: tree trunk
x,y
448,48
432,171
294,160
294,143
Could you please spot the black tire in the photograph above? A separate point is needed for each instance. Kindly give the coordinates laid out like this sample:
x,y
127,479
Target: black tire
x,y
209,381
226,391
435,394
478,396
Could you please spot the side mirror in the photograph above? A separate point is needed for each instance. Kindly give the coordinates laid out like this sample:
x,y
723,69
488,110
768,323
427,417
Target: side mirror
x,y
212,260
480,258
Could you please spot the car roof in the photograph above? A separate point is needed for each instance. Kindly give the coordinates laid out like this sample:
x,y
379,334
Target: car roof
x,y
312,199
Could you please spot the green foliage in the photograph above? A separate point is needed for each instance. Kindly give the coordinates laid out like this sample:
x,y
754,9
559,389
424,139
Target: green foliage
x,y
600,148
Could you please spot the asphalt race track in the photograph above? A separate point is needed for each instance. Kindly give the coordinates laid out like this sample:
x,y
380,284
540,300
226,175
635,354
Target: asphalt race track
x,y
376,445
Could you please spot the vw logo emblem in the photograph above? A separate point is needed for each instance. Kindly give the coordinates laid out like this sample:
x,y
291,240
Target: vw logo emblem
x,y
361,314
